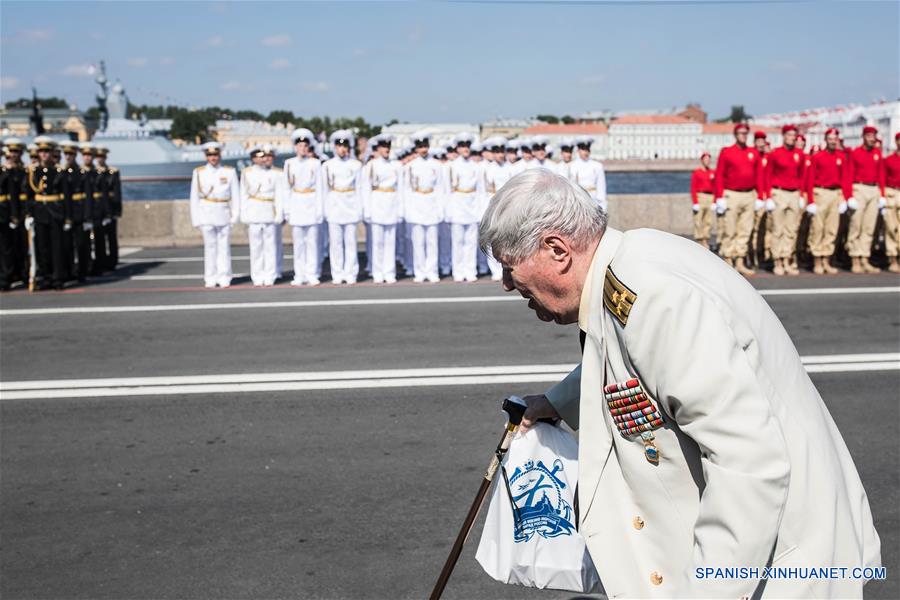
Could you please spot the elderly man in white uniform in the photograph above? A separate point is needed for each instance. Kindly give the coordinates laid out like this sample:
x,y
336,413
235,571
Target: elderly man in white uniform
x,y
703,442
588,172
304,208
262,200
423,209
215,207
381,191
343,207
463,190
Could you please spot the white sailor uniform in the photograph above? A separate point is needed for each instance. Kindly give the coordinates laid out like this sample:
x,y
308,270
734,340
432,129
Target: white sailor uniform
x,y
343,211
215,206
304,210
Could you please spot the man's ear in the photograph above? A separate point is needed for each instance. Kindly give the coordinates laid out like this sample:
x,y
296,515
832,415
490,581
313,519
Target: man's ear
x,y
559,249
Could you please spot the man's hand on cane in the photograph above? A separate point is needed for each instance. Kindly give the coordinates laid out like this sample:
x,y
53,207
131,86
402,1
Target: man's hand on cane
x,y
539,407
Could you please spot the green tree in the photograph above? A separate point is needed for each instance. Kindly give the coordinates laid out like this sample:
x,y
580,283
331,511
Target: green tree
x,y
190,125
281,116
49,102
548,119
250,115
738,115
568,119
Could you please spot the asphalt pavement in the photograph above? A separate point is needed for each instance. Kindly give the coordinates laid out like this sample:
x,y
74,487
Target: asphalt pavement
x,y
161,440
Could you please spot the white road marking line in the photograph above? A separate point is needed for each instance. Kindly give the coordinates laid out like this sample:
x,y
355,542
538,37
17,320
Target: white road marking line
x,y
195,277
345,380
254,305
836,290
62,310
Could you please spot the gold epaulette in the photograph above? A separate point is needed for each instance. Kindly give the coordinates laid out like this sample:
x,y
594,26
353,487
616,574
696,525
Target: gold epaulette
x,y
228,167
617,297
113,170
198,168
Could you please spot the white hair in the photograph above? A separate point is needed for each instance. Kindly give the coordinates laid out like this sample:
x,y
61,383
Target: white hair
x,y
532,204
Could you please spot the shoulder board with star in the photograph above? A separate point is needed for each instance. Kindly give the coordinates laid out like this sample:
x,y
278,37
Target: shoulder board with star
x,y
618,298
200,168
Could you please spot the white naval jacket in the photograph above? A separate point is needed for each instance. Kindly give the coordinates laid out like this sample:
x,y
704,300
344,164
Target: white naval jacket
x,y
262,195
751,470
343,204
215,196
423,202
381,190
304,199
590,175
464,191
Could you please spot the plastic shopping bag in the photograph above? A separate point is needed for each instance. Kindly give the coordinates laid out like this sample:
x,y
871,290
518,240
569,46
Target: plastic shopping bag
x,y
530,535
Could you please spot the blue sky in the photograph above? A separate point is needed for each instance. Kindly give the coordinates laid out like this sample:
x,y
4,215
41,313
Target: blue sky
x,y
457,61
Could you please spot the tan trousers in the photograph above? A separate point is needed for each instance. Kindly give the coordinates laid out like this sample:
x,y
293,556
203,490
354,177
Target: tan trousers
x,y
785,223
738,223
862,220
703,217
766,235
892,222
823,231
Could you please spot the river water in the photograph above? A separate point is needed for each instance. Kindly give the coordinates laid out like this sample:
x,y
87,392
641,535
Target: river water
x,y
638,182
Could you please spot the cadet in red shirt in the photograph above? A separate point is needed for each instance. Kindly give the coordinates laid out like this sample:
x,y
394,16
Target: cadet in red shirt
x,y
786,168
866,185
891,184
702,190
738,188
762,225
827,200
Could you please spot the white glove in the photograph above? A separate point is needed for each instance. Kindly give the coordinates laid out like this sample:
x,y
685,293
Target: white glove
x,y
881,211
696,208
842,207
721,206
206,228
233,220
88,226
882,202
106,221
29,223
852,204
770,205
67,226
758,204
811,208
801,204
13,224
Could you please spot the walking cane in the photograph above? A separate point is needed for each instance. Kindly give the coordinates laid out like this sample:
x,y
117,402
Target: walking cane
x,y
515,409
32,262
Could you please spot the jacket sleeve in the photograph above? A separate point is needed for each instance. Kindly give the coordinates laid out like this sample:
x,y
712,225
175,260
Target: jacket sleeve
x,y
565,397
720,400
235,196
195,198
694,188
720,173
847,172
115,194
810,179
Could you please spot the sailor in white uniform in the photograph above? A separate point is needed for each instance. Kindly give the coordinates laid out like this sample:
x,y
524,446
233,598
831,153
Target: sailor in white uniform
x,y
539,144
304,208
262,199
381,189
526,159
343,207
564,166
215,207
496,174
588,172
268,161
464,188
423,208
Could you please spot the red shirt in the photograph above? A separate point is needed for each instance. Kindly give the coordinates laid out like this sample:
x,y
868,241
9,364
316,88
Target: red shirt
x,y
739,169
865,167
702,181
827,170
786,169
891,171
